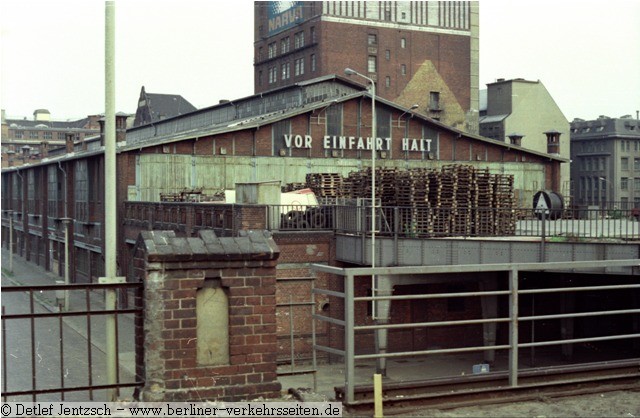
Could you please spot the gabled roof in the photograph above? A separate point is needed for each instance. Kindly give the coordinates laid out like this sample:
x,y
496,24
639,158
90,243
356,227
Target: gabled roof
x,y
352,90
154,107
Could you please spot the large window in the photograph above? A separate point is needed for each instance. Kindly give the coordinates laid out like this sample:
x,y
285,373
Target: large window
x,y
272,50
273,75
54,187
334,120
285,45
383,123
372,64
16,193
278,131
286,71
636,164
298,40
431,146
624,163
299,66
81,191
372,39
33,192
624,183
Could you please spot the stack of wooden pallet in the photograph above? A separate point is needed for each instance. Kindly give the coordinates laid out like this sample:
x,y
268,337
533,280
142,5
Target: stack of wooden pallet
x,y
442,194
504,203
359,183
325,184
386,179
292,187
454,200
484,213
464,192
412,195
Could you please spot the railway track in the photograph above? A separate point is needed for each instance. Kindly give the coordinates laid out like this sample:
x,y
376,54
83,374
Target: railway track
x,y
493,387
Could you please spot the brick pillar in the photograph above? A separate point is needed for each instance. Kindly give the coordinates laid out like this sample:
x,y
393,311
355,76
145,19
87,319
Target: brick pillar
x,y
182,360
250,217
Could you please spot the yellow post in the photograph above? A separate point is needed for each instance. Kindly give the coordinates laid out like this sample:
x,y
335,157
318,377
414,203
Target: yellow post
x,y
377,395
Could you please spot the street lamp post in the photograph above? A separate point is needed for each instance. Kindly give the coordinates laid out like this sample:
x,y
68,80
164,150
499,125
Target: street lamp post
x,y
374,142
383,315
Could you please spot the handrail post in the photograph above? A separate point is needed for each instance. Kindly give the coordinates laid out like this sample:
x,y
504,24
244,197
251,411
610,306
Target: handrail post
x,y
513,328
349,349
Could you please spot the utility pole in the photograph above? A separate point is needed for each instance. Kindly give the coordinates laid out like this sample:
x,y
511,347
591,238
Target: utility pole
x,y
110,180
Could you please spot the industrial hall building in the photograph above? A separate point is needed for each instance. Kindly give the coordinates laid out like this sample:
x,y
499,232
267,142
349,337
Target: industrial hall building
x,y
317,126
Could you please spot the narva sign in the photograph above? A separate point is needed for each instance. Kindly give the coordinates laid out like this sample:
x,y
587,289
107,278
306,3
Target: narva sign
x,y
357,143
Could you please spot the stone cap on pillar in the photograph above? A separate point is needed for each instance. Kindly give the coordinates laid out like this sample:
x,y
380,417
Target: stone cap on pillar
x,y
250,245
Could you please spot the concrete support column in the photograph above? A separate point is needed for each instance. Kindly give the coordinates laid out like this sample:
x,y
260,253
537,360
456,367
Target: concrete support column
x,y
489,310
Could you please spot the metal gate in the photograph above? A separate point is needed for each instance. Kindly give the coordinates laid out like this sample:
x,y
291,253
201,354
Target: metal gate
x,y
56,352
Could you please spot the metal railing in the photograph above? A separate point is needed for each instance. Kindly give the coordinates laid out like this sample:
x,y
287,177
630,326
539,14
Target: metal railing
x,y
59,348
426,222
181,216
568,224
514,319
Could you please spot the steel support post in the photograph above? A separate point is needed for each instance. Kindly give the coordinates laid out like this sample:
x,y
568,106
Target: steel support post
x,y
349,349
513,328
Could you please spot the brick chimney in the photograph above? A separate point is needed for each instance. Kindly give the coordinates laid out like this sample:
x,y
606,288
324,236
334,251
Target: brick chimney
x,y
44,149
516,139
553,142
69,137
121,126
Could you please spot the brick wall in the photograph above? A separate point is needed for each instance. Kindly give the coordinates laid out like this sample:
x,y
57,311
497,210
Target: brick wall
x,y
173,269
293,291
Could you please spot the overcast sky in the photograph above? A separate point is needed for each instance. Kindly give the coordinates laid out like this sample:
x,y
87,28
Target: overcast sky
x,y
587,53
